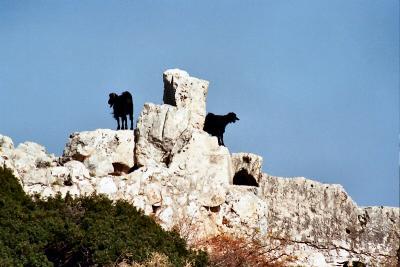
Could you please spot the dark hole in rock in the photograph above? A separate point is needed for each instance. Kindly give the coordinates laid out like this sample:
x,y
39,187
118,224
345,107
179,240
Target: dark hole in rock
x,y
43,164
120,168
167,159
155,208
348,231
242,177
353,263
169,92
79,157
213,209
312,185
246,159
68,181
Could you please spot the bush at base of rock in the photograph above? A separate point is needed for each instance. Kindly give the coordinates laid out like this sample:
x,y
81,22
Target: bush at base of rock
x,y
225,250
86,231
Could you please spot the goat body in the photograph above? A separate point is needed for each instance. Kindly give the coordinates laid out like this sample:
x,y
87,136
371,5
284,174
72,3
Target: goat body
x,y
215,125
122,106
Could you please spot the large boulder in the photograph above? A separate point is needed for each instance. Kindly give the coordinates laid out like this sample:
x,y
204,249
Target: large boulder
x,y
206,165
161,130
102,151
184,91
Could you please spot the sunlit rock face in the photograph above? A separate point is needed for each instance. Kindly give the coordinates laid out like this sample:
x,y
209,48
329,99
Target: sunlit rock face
x,y
102,151
186,92
173,170
161,131
323,217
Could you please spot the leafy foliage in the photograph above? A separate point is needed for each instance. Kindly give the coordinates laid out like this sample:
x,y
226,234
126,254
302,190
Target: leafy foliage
x,y
86,231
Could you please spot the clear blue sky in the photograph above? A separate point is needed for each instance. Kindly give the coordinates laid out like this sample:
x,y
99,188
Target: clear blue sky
x,y
314,83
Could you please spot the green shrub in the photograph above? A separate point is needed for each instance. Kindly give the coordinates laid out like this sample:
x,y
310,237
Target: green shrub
x,y
86,231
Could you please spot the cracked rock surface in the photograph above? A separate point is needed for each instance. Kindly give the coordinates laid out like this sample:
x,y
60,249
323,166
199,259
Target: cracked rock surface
x,y
173,170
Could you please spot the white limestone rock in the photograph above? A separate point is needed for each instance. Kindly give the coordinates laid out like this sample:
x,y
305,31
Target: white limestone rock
x,y
184,91
85,187
153,193
58,175
73,190
6,145
77,170
166,216
184,179
206,165
106,185
48,192
36,176
161,129
324,216
100,149
6,152
29,155
248,206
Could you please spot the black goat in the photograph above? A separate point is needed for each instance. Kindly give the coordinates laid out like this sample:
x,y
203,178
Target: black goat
x,y
122,106
215,125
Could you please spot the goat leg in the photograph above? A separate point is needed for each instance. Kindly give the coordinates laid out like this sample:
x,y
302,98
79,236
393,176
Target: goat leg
x,y
131,119
118,127
124,123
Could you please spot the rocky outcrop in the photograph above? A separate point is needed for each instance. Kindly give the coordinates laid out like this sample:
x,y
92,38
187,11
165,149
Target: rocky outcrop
x,y
322,218
185,92
102,151
162,130
173,170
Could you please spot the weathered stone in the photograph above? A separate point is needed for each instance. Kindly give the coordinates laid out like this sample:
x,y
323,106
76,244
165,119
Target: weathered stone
x,y
85,187
206,165
183,91
58,175
71,190
37,176
48,192
77,170
153,193
6,144
248,206
166,216
190,183
160,131
325,217
106,186
99,149
29,155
